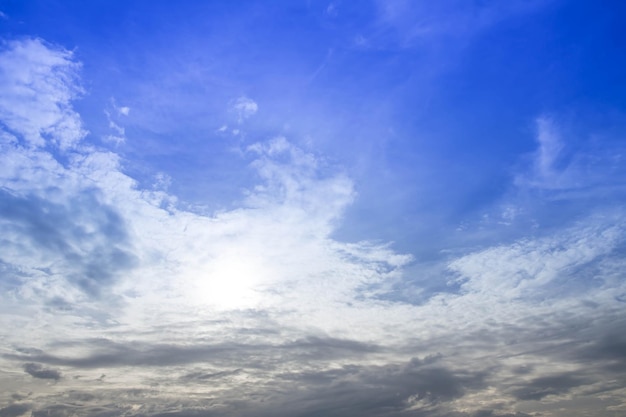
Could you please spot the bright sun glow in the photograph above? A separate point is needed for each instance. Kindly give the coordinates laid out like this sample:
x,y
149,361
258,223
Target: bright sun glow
x,y
231,282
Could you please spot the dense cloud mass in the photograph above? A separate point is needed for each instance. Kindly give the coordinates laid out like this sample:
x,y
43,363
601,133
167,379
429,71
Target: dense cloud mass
x,y
117,298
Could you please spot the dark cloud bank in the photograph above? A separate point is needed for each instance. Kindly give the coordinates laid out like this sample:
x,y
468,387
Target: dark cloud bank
x,y
300,378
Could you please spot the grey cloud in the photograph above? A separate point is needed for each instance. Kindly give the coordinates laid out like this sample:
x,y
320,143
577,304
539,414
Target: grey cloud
x,y
14,410
92,258
601,349
108,353
363,390
184,413
58,303
204,376
490,413
327,347
597,344
81,396
29,351
352,390
72,410
375,390
541,387
611,349
54,411
522,370
117,403
594,346
38,371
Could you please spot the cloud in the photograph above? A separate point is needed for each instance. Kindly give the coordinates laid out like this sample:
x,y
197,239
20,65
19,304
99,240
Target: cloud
x,y
549,147
530,267
124,110
245,108
110,354
14,410
568,173
539,388
331,10
119,133
493,413
37,371
38,83
392,389
82,239
545,171
204,376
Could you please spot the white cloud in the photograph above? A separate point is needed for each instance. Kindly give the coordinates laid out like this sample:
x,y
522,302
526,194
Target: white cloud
x,y
38,84
162,181
544,172
119,132
245,108
120,110
550,146
114,140
117,128
524,269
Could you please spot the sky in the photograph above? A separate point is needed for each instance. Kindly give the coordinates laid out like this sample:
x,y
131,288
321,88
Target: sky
x,y
312,208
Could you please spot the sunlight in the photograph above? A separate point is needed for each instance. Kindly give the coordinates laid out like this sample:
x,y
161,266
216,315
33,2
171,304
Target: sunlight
x,y
230,282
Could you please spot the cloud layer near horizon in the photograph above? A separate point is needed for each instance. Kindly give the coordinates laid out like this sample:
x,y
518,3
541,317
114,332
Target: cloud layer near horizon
x,y
116,300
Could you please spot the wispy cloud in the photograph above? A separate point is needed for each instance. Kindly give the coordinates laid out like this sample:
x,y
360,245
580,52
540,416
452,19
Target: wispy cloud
x,y
244,107
407,23
569,171
118,136
38,84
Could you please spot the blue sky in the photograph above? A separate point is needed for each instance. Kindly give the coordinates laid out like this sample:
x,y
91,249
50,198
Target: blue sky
x,y
373,208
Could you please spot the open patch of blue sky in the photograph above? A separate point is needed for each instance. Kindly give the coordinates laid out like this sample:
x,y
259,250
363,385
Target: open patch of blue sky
x,y
376,208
